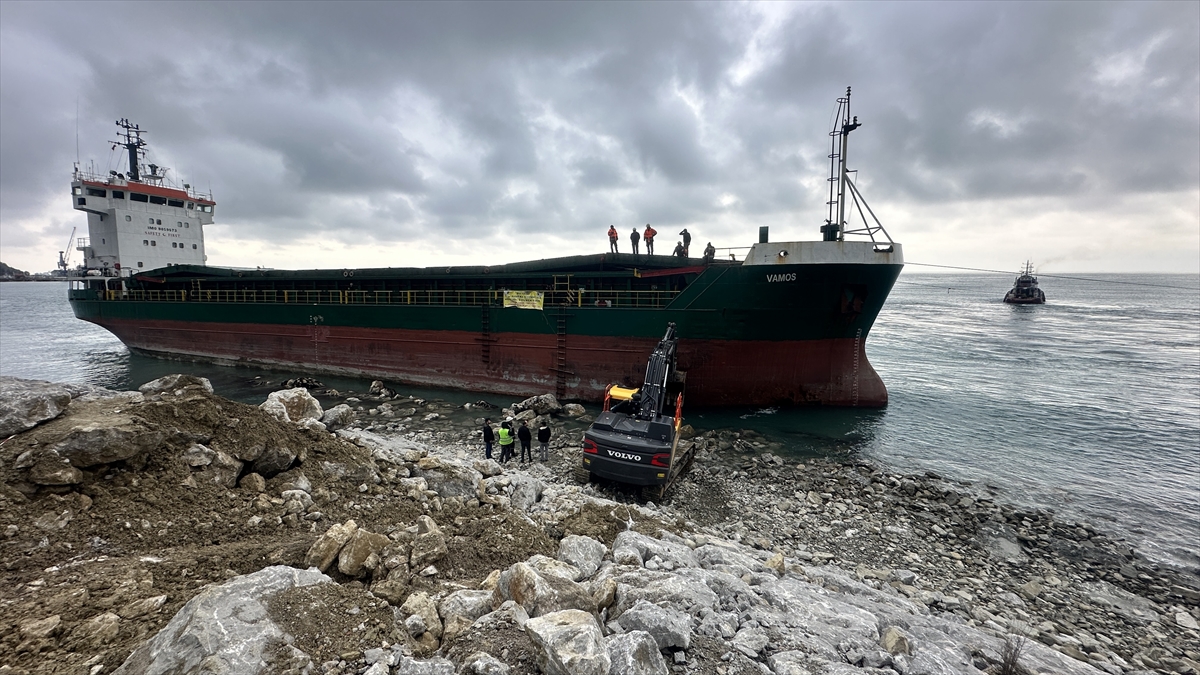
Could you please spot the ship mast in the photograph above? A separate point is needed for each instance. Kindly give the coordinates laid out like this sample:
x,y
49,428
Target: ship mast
x,y
133,143
835,226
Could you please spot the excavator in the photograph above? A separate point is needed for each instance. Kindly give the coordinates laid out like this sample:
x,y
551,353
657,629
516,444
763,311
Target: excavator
x,y
635,440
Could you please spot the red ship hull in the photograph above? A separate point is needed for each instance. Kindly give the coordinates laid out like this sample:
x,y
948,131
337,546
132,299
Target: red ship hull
x,y
721,372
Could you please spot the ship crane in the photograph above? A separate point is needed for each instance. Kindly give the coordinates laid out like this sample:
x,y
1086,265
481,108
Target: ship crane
x,y
64,257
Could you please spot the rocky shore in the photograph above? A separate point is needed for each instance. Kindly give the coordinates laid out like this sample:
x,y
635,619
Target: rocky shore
x,y
171,530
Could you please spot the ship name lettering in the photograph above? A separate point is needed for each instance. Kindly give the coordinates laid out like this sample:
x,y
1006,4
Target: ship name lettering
x,y
781,277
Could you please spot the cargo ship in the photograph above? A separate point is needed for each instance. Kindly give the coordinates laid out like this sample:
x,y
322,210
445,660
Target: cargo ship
x,y
772,323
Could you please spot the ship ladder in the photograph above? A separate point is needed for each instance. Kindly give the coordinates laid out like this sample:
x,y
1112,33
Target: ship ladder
x,y
485,333
560,363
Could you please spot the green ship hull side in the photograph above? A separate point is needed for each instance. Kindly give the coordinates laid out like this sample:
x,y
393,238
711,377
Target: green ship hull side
x,y
723,303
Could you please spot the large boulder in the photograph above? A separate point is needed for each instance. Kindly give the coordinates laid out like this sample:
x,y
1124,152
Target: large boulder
x,y
539,405
361,554
670,628
338,417
326,548
226,628
540,593
274,459
118,437
569,643
584,553
292,405
419,604
635,653
176,384
526,491
451,479
634,548
429,546
25,404
460,609
685,593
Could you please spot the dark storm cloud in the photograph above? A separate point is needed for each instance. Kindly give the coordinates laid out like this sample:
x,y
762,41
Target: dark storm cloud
x,y
374,121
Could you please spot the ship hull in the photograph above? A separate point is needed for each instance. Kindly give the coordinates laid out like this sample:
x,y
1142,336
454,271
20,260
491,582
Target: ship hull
x,y
760,333
720,372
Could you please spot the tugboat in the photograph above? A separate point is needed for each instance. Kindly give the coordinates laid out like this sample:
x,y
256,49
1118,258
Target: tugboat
x,y
1025,291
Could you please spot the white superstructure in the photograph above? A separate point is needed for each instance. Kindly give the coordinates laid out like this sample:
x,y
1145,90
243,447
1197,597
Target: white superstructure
x,y
136,222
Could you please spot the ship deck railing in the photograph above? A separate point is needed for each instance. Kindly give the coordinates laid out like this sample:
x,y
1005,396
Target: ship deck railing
x,y
461,298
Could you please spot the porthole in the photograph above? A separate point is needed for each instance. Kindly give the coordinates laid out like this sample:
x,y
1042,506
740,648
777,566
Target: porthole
x,y
139,264
151,220
193,246
154,243
186,225
178,224
128,219
145,242
158,222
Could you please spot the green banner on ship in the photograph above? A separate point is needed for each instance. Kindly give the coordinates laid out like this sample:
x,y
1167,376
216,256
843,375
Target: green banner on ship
x,y
523,299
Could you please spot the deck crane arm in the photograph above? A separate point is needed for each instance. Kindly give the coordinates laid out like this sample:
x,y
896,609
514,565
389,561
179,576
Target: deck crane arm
x,y
64,256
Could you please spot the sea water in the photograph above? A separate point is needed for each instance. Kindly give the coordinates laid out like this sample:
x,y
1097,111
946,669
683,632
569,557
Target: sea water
x,y
1088,405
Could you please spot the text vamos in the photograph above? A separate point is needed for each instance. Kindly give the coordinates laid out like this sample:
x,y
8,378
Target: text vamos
x,y
781,277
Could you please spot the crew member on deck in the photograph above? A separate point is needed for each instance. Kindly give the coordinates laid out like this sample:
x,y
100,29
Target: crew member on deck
x,y
680,250
634,237
612,239
710,252
648,237
687,241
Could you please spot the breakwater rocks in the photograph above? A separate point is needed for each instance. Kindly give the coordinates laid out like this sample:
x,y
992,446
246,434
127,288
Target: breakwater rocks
x,y
171,530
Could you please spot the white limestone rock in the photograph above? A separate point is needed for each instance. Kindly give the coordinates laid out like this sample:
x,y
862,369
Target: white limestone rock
x,y
569,642
226,627
670,628
25,404
540,594
292,405
635,653
584,553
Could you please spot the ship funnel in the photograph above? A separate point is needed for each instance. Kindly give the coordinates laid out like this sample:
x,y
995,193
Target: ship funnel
x,y
762,234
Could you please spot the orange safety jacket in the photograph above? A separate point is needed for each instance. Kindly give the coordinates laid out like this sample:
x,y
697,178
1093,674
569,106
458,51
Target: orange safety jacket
x,y
650,232
612,232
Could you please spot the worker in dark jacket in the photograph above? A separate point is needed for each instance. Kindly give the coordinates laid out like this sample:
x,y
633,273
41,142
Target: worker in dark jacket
x,y
687,241
526,437
634,237
612,239
709,253
489,437
680,251
544,440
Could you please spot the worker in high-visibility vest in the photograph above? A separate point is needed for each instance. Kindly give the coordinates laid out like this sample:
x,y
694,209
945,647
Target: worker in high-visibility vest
x,y
648,237
506,441
612,239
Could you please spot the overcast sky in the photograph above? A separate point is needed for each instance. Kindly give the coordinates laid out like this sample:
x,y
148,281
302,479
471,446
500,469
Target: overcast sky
x,y
396,134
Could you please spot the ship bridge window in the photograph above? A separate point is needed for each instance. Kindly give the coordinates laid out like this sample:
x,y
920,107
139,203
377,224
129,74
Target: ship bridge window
x,y
118,194
76,190
191,205
155,199
138,197
82,201
96,192
207,208
175,202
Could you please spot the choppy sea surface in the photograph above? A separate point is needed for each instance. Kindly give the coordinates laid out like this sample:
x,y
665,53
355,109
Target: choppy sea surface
x,y
1088,405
